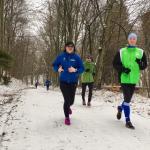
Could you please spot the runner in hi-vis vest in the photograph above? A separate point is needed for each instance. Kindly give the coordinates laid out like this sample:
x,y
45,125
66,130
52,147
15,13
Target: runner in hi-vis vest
x,y
128,62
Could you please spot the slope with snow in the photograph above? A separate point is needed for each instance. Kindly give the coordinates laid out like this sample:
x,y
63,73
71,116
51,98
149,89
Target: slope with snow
x,y
9,97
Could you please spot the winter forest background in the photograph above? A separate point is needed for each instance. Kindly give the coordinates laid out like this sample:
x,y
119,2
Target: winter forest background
x,y
31,36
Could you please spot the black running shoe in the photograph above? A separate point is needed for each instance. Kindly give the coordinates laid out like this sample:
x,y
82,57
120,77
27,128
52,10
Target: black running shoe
x,y
89,104
119,113
84,103
129,125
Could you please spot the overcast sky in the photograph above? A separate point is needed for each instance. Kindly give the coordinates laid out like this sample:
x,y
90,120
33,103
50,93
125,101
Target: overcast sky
x,y
35,6
34,3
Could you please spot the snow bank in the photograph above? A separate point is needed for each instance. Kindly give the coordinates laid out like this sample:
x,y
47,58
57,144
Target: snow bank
x,y
12,87
8,97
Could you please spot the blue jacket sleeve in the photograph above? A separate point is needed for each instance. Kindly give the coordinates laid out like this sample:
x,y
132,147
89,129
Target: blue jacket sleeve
x,y
80,66
57,63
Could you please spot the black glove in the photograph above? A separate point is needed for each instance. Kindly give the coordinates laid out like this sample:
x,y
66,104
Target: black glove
x,y
93,74
87,70
126,70
138,61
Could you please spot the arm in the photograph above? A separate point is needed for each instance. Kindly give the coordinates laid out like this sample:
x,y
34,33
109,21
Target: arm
x,y
80,66
142,62
56,64
117,64
90,69
86,69
94,70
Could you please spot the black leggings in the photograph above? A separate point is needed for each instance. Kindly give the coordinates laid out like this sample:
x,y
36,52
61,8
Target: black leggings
x,y
90,86
68,90
128,91
47,87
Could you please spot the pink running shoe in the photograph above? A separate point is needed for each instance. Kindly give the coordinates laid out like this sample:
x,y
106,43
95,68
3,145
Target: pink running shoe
x,y
70,111
67,121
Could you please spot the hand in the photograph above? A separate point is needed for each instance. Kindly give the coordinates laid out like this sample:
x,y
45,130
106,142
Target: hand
x,y
93,74
60,69
87,70
126,70
138,61
71,69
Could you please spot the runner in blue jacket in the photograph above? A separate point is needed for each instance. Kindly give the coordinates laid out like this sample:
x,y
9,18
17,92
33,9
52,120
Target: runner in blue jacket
x,y
70,66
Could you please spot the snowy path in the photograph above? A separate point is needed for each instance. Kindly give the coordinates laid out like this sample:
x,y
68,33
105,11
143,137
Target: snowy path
x,y
38,125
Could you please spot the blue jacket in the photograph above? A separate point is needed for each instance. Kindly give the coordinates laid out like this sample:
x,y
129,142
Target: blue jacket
x,y
47,82
67,60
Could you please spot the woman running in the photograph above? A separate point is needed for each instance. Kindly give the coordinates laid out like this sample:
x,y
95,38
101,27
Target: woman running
x,y
70,66
87,79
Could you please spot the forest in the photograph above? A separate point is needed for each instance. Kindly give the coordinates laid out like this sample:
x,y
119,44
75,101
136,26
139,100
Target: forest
x,y
97,27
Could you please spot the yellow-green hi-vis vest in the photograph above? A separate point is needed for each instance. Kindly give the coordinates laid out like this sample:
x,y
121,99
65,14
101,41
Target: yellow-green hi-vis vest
x,y
128,58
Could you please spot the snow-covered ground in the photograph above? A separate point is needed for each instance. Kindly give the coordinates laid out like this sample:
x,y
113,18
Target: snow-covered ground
x,y
37,123
9,97
140,105
14,86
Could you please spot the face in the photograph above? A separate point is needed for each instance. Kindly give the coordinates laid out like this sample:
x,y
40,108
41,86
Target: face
x,y
132,41
70,49
88,59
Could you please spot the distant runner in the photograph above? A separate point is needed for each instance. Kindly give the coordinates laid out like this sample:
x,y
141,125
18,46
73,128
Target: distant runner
x,y
87,79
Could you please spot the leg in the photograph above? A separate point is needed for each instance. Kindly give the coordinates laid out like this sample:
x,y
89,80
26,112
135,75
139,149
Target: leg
x,y
132,89
90,86
72,93
47,87
64,89
83,92
127,99
72,96
127,93
128,90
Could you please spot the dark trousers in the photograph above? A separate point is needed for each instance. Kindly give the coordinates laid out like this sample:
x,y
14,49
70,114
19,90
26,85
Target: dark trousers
x,y
68,90
90,86
47,87
128,91
36,86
